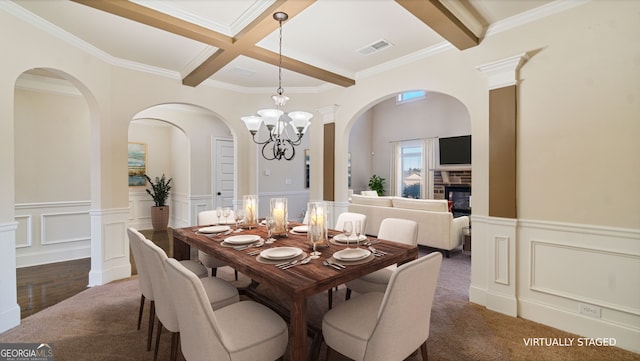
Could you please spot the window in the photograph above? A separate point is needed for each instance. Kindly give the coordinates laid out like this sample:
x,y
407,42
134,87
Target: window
x,y
409,96
412,175
412,168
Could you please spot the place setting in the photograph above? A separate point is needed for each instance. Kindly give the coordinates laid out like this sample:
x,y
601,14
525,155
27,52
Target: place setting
x,y
299,229
212,231
243,241
352,232
282,257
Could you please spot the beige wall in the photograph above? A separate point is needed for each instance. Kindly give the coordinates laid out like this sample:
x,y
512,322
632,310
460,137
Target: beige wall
x,y
51,147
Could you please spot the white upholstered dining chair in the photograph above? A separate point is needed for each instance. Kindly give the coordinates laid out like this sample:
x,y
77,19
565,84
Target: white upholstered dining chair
x,y
350,216
144,282
219,293
386,326
206,218
391,229
243,331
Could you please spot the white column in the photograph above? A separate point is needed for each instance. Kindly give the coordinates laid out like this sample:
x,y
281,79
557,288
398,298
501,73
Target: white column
x,y
109,246
9,308
494,261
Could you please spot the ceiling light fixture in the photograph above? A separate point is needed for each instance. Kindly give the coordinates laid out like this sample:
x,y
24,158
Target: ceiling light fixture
x,y
280,144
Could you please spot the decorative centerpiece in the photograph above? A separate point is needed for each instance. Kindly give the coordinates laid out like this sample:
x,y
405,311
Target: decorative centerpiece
x,y
250,203
159,212
278,210
317,233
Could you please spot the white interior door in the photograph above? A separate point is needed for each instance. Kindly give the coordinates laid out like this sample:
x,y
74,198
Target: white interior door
x,y
222,177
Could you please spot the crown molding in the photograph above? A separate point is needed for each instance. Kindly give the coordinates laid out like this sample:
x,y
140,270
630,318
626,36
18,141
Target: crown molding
x,y
541,12
496,28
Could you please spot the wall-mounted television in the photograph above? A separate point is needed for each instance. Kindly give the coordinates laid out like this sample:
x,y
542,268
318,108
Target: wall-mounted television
x,y
455,150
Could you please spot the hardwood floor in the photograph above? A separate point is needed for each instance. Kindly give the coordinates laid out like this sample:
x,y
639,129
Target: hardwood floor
x,y
39,287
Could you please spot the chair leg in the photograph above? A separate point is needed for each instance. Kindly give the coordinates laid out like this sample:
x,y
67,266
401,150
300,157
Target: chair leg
x,y
214,272
155,353
236,272
330,353
175,338
330,294
423,350
348,294
152,319
140,312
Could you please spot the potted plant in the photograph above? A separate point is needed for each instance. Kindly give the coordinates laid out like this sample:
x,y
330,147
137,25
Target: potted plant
x,y
160,193
376,183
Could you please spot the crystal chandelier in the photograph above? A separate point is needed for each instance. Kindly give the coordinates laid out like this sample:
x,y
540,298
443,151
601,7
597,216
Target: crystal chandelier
x,y
285,129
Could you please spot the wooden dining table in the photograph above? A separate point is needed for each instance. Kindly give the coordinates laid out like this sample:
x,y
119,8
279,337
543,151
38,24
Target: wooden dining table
x,y
298,282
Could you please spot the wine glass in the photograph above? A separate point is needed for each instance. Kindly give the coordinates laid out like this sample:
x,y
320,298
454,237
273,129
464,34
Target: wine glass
x,y
226,212
347,229
239,213
315,232
270,223
357,229
219,213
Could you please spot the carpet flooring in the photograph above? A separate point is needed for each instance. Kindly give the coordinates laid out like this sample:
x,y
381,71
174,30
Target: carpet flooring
x,y
99,324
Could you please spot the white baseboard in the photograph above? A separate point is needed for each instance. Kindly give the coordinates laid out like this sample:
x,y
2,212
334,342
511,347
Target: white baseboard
x,y
10,318
67,254
626,337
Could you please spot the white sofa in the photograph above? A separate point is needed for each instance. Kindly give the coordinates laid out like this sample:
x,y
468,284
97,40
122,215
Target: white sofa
x,y
436,226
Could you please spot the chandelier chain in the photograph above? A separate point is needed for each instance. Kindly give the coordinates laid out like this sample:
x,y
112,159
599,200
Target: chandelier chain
x,y
280,90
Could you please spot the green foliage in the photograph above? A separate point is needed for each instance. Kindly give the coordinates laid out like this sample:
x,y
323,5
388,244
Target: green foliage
x,y
412,191
376,183
161,190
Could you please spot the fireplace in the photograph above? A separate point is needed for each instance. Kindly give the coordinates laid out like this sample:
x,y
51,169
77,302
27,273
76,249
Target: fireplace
x,y
460,197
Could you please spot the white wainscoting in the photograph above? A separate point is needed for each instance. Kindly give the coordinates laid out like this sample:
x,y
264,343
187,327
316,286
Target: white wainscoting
x,y
564,266
556,268
9,308
52,232
140,204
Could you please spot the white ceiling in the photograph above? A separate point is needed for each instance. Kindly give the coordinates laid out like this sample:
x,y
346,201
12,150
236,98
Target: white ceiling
x,y
327,34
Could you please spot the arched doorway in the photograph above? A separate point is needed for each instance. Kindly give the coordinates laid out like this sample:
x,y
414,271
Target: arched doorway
x,y
180,141
390,122
52,127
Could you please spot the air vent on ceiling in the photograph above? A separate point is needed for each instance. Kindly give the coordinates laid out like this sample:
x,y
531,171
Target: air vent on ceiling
x,y
376,46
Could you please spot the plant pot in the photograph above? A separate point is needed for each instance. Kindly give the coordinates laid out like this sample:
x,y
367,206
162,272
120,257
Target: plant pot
x,y
160,217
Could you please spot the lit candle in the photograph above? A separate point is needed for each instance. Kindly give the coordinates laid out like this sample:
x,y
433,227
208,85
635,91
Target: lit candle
x,y
318,217
250,209
278,218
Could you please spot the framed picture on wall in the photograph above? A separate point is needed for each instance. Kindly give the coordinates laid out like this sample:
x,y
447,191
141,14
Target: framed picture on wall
x,y
137,153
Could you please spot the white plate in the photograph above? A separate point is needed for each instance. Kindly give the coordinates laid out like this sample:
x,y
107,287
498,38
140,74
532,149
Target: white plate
x,y
281,253
230,221
214,229
351,254
242,239
342,238
301,229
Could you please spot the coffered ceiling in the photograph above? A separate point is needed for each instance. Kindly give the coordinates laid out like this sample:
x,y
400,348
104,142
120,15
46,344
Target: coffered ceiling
x,y
234,43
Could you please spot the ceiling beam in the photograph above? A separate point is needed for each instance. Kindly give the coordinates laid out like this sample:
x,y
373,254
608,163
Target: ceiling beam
x,y
272,58
441,20
158,20
229,48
